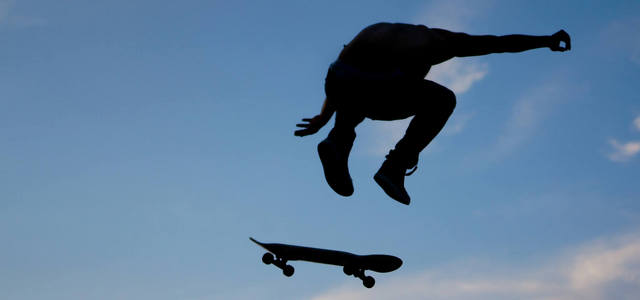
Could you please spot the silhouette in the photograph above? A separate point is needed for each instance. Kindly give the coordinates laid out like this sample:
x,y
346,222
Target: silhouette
x,y
380,75
352,264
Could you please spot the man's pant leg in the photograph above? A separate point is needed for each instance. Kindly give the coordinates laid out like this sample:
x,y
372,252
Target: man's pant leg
x,y
431,105
343,131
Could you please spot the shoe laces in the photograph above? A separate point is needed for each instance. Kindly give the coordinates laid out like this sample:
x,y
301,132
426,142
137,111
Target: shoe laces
x,y
412,171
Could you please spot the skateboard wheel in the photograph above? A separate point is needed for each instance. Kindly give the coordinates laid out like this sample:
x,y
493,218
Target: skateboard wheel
x,y
267,258
288,270
348,270
368,282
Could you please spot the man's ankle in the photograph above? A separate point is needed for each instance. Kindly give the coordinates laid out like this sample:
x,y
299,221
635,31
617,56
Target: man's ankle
x,y
401,160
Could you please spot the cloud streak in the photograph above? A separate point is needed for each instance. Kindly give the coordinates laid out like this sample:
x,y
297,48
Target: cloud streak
x,y
622,35
5,7
458,75
623,152
382,136
454,14
457,123
605,269
527,114
10,19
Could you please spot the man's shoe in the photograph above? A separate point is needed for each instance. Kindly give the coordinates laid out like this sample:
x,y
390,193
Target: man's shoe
x,y
390,177
334,158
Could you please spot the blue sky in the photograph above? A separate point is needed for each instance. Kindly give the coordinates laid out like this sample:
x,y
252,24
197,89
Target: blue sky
x,y
143,142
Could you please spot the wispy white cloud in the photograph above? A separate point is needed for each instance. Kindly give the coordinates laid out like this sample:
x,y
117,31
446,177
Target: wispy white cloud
x,y
605,269
453,15
381,137
458,75
601,266
623,35
457,123
5,6
527,114
623,152
7,17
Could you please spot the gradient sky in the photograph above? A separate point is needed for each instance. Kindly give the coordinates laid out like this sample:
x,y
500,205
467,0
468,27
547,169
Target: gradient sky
x,y
143,142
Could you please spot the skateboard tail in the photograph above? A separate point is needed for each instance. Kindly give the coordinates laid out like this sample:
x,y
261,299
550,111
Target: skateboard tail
x,y
255,241
263,245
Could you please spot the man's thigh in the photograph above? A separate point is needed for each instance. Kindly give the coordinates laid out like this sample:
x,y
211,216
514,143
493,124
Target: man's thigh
x,y
400,100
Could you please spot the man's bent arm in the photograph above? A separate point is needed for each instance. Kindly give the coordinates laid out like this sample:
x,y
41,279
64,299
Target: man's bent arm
x,y
327,111
314,124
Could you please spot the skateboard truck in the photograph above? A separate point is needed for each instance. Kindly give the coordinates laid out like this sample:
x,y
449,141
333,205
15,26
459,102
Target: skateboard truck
x,y
367,281
281,263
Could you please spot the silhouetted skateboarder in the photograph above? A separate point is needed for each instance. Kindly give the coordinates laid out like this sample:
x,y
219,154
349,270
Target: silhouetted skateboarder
x,y
380,75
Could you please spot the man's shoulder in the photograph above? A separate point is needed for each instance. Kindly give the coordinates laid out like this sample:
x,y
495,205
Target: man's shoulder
x,y
389,25
383,30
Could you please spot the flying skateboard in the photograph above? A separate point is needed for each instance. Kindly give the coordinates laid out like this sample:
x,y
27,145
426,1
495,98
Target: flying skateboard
x,y
352,264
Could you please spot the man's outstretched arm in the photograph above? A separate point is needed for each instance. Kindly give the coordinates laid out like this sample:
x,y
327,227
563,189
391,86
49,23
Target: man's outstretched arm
x,y
314,124
462,44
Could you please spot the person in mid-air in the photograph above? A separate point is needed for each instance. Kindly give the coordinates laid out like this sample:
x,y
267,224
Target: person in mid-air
x,y
380,75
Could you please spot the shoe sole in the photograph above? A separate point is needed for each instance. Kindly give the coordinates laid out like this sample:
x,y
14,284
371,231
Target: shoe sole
x,y
325,151
390,189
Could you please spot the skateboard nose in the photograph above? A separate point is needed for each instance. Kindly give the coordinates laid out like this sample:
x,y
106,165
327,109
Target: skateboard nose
x,y
396,263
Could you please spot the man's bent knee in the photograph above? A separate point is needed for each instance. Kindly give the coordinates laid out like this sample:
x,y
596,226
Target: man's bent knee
x,y
448,101
439,98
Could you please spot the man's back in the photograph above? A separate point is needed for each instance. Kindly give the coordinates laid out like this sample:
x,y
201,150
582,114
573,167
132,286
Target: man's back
x,y
391,47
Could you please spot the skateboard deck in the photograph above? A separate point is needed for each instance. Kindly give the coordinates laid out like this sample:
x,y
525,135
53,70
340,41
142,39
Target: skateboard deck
x,y
352,264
